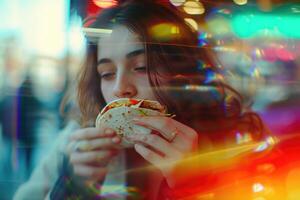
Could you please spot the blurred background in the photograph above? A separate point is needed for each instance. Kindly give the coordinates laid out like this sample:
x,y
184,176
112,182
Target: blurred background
x,y
42,46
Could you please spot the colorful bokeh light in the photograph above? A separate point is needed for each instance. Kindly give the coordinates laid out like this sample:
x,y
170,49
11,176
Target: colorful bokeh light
x,y
240,2
105,3
193,8
192,23
177,2
165,31
247,25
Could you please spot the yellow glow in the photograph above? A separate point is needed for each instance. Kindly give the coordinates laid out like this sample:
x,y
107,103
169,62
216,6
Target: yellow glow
x,y
259,198
177,2
174,30
240,2
204,161
256,73
193,8
258,52
292,184
192,22
165,31
219,26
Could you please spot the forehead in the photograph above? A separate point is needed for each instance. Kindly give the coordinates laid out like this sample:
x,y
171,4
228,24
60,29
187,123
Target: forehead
x,y
119,43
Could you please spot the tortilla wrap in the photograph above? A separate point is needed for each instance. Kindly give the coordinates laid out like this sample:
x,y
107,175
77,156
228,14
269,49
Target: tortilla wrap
x,y
118,116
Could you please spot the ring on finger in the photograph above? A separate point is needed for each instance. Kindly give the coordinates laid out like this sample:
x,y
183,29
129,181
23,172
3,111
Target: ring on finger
x,y
82,146
173,135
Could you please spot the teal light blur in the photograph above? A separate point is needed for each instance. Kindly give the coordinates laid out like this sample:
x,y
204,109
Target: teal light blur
x,y
275,24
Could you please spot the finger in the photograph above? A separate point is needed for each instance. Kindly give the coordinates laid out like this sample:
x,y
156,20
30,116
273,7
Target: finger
x,y
90,172
157,143
102,143
105,143
92,133
71,147
165,125
100,157
88,145
74,146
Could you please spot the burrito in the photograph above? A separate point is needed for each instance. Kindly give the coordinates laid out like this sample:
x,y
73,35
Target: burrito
x,y
118,115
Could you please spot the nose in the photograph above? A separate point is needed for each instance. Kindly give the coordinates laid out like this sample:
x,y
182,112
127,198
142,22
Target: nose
x,y
124,86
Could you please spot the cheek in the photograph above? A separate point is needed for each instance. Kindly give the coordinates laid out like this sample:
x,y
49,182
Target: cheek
x,y
142,81
143,86
106,89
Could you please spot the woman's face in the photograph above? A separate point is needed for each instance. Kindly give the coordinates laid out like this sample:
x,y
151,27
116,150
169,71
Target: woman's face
x,y
122,66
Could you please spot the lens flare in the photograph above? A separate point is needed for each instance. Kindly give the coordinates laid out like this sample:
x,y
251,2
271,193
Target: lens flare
x,y
203,39
243,138
258,187
268,143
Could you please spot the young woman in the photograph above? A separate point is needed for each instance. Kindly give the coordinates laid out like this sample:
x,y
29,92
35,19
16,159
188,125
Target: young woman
x,y
151,53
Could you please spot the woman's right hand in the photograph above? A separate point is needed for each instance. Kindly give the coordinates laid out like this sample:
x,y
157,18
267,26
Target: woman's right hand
x,y
90,150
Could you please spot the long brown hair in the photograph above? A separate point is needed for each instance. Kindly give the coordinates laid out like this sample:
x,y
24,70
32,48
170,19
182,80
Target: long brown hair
x,y
177,67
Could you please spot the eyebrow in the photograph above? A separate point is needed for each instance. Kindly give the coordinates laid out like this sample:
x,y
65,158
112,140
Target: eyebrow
x,y
129,55
103,60
135,53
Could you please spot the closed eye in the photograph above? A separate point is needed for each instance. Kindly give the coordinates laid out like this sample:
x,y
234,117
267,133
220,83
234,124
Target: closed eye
x,y
107,75
140,69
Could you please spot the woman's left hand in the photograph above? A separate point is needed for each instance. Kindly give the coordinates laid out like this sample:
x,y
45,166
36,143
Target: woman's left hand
x,y
167,149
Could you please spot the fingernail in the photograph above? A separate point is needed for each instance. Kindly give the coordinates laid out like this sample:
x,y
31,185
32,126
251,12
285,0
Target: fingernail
x,y
116,140
108,131
137,121
134,136
139,148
